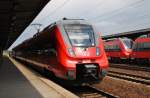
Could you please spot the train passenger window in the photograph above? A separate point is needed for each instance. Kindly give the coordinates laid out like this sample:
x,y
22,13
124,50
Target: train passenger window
x,y
146,46
117,48
141,46
107,47
148,35
135,47
112,48
80,35
52,52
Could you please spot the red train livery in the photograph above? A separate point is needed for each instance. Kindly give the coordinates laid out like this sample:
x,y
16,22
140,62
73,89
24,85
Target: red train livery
x,y
70,49
141,49
118,48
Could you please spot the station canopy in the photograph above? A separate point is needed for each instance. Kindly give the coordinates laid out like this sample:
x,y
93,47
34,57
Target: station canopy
x,y
131,34
15,16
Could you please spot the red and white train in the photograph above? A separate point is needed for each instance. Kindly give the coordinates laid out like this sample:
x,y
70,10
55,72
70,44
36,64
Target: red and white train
x,y
71,49
124,49
118,49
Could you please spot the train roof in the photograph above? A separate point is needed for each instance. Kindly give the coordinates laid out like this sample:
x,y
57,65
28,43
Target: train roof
x,y
130,34
142,39
67,21
72,21
113,39
60,22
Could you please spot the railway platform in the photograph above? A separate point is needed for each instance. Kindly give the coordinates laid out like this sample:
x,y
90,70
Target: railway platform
x,y
16,81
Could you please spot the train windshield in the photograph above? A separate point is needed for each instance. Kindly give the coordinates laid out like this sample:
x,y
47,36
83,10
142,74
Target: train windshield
x,y
80,35
128,43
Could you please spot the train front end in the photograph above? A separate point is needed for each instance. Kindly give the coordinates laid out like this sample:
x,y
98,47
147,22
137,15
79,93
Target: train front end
x,y
81,52
126,48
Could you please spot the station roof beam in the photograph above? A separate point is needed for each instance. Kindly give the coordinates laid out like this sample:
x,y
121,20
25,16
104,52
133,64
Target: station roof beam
x,y
15,16
131,34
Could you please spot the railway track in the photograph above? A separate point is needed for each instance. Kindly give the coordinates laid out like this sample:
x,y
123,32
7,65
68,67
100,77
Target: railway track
x,y
81,91
91,92
130,77
130,67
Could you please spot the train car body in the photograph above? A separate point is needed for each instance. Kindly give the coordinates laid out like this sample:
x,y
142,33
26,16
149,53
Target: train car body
x,y
117,49
141,50
71,49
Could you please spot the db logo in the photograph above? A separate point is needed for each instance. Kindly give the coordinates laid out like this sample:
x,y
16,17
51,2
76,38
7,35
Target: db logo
x,y
85,53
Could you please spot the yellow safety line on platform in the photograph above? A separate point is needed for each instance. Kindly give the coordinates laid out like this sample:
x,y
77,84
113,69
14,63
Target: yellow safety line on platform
x,y
45,87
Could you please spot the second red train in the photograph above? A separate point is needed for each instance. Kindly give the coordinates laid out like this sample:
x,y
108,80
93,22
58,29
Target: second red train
x,y
124,49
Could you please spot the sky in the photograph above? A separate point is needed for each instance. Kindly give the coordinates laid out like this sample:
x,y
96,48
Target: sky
x,y
109,16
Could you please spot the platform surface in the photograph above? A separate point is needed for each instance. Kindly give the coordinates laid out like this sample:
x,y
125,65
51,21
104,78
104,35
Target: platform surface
x,y
13,84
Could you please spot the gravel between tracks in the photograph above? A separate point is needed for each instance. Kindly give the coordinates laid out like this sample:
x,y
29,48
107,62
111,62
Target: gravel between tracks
x,y
123,88
133,72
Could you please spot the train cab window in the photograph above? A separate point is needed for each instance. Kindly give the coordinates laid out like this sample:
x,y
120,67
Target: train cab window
x,y
128,43
80,35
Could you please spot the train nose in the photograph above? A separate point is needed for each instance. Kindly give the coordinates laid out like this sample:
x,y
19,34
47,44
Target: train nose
x,y
128,53
87,71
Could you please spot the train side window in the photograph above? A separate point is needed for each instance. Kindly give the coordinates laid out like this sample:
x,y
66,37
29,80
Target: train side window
x,y
146,46
112,48
117,48
148,35
52,52
106,47
52,49
135,47
141,46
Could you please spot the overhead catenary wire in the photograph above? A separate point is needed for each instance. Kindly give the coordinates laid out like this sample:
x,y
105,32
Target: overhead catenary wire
x,y
132,26
116,11
37,26
144,17
54,11
132,19
129,20
96,6
108,14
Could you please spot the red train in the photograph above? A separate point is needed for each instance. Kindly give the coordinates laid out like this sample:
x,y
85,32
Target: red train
x,y
71,49
141,50
118,49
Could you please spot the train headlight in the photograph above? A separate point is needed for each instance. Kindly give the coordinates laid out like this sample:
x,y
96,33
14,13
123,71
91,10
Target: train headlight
x,y
104,72
71,52
97,51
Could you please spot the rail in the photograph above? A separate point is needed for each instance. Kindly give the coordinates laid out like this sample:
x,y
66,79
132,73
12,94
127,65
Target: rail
x,y
130,77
